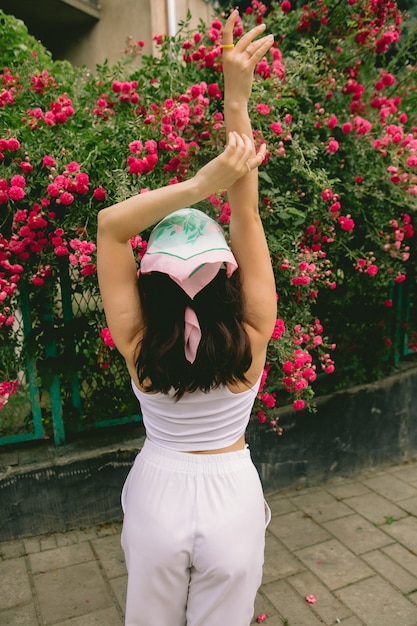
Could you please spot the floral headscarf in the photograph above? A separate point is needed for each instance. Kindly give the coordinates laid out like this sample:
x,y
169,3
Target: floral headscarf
x,y
191,248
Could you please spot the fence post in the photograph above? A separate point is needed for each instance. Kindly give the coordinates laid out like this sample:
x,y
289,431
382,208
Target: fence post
x,y
66,296
39,432
55,387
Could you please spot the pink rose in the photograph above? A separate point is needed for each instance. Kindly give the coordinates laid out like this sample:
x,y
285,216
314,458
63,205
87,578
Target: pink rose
x,y
16,193
66,198
263,109
276,128
100,193
298,405
333,146
372,270
105,334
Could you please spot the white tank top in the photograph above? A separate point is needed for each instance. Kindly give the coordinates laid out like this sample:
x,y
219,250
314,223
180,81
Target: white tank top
x,y
198,420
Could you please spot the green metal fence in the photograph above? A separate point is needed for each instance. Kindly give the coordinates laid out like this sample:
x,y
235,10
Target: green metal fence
x,y
69,381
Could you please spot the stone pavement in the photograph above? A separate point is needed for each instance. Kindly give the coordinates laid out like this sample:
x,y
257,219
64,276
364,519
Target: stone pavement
x,y
349,545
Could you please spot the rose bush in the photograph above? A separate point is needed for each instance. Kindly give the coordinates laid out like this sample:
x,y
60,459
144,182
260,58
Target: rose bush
x,y
335,102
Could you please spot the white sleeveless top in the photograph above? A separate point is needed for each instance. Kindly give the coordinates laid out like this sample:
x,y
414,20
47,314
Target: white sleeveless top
x,y
198,420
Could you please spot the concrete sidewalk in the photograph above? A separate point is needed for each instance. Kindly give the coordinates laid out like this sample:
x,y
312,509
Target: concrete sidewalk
x,y
349,546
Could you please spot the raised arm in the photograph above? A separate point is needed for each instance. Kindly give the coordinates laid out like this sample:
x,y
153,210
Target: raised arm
x,y
117,224
247,235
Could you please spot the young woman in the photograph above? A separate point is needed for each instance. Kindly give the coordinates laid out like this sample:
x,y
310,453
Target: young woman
x,y
193,329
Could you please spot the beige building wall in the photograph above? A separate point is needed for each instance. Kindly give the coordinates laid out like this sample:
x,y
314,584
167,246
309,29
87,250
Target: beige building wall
x,y
142,19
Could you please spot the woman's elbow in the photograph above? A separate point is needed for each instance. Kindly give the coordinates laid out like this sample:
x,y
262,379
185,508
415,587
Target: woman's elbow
x,y
104,221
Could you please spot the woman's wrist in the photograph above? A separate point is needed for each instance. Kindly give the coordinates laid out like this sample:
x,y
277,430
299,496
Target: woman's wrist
x,y
238,121
236,103
200,187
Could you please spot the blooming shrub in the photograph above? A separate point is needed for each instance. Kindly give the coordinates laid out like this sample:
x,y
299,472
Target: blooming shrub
x,y
335,102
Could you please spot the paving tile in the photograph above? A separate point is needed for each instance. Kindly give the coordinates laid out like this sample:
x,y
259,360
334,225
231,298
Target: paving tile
x,y
106,617
391,487
61,557
48,542
378,604
391,571
119,587
347,490
297,530
329,608
334,564
19,616
263,605
357,533
409,505
290,605
32,545
375,508
66,539
71,592
80,577
87,534
12,549
279,562
321,506
404,531
408,473
280,505
14,583
111,555
406,558
372,472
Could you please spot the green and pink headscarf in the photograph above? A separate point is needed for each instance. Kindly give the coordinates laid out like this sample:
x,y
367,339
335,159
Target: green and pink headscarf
x,y
191,248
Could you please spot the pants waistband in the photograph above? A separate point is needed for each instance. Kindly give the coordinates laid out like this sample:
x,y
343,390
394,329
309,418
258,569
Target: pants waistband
x,y
223,462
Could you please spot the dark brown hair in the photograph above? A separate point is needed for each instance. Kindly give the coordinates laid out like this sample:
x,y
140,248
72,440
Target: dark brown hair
x,y
224,353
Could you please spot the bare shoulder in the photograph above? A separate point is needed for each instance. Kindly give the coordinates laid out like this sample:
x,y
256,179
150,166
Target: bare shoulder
x,y
259,346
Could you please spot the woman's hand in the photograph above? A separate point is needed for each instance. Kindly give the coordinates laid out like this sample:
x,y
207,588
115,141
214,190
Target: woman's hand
x,y
239,62
235,161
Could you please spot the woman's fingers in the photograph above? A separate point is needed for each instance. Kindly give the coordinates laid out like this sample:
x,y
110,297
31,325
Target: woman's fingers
x,y
257,160
257,49
251,54
236,160
247,38
240,144
238,151
248,51
241,155
231,140
229,26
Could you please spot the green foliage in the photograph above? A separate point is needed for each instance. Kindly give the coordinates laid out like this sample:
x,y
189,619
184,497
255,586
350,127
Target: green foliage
x,y
18,46
335,102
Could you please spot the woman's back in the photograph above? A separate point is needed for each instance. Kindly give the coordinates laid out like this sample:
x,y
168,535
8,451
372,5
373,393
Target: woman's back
x,y
198,420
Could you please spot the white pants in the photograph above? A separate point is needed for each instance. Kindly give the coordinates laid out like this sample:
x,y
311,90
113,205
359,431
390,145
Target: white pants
x,y
193,537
